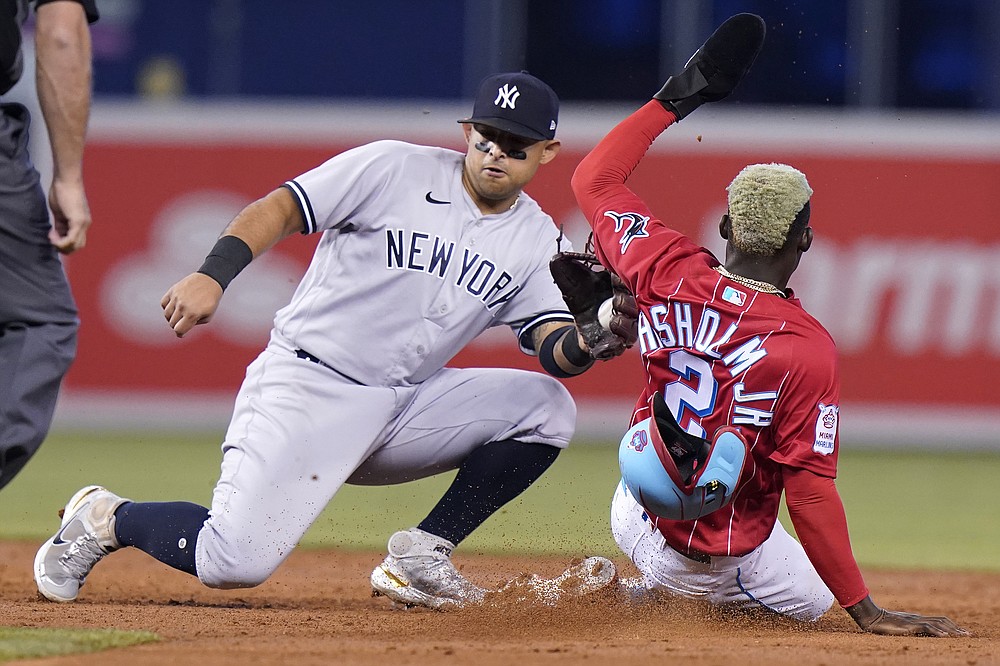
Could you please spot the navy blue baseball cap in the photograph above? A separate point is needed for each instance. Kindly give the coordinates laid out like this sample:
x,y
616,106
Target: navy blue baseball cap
x,y
518,103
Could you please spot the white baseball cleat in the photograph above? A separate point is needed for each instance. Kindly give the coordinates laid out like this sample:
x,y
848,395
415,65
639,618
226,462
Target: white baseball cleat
x,y
581,579
418,572
86,535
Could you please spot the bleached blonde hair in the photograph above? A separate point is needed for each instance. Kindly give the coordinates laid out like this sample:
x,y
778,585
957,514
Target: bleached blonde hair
x,y
764,200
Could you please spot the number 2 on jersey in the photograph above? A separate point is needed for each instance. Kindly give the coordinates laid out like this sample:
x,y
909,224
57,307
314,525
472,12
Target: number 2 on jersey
x,y
693,395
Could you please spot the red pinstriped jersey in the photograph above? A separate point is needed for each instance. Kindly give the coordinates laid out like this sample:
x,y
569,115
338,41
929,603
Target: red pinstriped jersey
x,y
721,354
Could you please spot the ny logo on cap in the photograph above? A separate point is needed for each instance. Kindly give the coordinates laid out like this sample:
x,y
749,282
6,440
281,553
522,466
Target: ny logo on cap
x,y
506,97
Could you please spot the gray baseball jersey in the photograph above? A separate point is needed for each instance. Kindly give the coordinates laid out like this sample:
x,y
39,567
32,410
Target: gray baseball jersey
x,y
409,270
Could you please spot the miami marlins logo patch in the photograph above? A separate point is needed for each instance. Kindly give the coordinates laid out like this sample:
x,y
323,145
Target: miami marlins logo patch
x,y
633,224
639,441
826,429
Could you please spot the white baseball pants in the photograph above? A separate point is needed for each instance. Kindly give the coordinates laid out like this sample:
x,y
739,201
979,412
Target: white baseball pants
x,y
777,575
300,431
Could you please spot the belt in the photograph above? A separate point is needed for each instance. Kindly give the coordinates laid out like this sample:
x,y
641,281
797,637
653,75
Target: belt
x,y
693,555
303,354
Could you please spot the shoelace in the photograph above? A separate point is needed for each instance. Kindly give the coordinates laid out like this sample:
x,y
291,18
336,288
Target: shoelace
x,y
446,571
82,555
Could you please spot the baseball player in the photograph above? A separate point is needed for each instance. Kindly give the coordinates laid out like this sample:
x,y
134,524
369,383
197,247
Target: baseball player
x,y
742,386
421,250
38,316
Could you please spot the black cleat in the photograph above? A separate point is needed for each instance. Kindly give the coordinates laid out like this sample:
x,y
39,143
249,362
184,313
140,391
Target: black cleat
x,y
716,67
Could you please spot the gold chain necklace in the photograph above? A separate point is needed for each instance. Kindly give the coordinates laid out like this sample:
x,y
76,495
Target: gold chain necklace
x,y
756,285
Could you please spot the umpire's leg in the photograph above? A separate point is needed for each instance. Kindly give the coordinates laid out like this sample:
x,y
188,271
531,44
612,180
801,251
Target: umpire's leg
x,y
33,361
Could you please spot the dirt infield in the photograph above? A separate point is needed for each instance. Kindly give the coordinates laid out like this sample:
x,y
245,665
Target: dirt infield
x,y
317,609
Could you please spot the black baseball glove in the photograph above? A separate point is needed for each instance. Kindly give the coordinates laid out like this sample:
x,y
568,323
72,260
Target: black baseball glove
x,y
586,285
716,67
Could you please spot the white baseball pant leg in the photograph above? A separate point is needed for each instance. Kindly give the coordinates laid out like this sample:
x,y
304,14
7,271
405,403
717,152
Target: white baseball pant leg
x,y
777,575
459,409
298,432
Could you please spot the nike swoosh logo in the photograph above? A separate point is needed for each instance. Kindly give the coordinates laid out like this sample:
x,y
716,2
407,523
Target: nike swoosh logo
x,y
395,580
429,199
57,540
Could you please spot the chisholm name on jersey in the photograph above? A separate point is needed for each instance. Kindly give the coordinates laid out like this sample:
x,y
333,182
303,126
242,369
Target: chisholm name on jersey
x,y
657,332
480,277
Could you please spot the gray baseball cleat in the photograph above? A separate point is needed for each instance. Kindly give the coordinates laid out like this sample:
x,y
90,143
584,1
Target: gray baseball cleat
x,y
418,572
87,534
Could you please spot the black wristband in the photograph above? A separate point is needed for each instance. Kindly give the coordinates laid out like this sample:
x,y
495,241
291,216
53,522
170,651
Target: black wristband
x,y
229,256
547,356
581,358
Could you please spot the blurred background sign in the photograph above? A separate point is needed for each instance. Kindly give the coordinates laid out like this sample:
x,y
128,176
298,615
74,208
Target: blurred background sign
x,y
905,270
892,109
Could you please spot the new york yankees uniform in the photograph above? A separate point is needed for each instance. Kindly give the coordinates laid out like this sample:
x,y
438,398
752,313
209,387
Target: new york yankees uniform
x,y
352,385
721,354
399,221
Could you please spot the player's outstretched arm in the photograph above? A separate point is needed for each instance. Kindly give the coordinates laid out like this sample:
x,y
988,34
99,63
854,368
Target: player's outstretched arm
x,y
711,74
817,513
252,232
877,620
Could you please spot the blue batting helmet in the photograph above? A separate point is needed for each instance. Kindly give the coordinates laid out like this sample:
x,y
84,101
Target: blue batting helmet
x,y
649,465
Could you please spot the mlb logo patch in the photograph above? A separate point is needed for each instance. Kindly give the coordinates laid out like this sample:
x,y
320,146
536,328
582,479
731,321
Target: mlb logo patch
x,y
826,429
734,296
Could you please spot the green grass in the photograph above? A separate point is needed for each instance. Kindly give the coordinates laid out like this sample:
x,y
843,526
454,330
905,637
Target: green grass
x,y
27,643
915,509
927,509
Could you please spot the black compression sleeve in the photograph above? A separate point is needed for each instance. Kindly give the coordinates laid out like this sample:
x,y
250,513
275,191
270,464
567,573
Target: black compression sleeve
x,y
566,338
229,256
575,354
546,354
